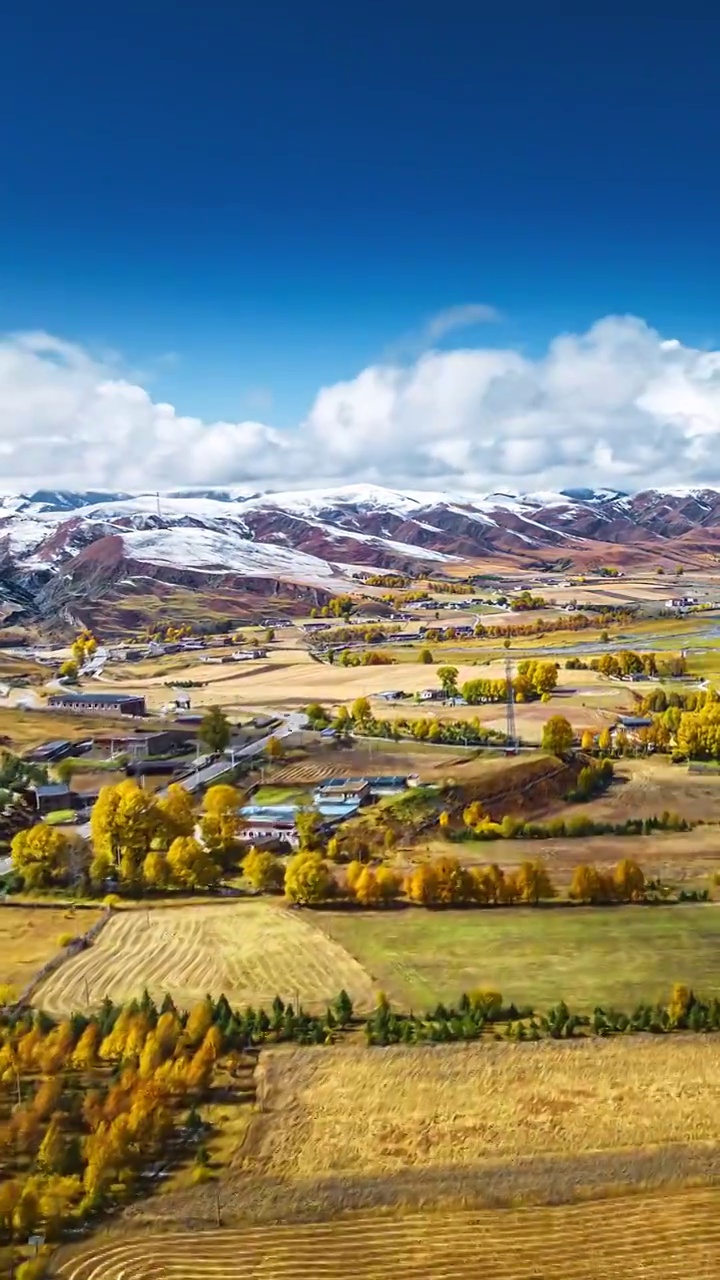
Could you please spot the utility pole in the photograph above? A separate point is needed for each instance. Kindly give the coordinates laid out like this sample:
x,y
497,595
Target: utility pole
x,y
157,495
510,729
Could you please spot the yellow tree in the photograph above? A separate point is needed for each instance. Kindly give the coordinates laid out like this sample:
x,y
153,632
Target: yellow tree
x,y
52,1153
473,814
605,740
199,1021
220,821
155,870
366,888
86,1050
587,742
176,812
191,865
629,881
557,735
264,871
123,824
43,855
534,882
388,884
586,884
422,885
274,749
308,879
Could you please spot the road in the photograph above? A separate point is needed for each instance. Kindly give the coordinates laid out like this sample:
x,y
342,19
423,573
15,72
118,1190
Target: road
x,y
210,773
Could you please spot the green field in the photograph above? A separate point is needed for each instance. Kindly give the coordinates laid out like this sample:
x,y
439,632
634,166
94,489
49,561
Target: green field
x,y
587,956
282,795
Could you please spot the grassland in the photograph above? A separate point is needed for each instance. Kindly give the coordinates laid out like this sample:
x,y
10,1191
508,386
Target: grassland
x,y
29,936
652,1238
249,951
587,956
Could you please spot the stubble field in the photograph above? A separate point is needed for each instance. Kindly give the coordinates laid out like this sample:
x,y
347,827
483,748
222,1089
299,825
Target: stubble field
x,y
650,1238
249,951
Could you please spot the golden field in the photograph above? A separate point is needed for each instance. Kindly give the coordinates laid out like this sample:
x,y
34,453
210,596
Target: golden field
x,y
250,951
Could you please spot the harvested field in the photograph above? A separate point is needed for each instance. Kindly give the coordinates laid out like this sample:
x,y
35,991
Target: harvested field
x,y
251,951
585,955
29,936
652,1238
352,1111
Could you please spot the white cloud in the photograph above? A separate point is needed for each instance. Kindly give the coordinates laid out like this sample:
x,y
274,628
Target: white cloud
x,y
460,317
616,405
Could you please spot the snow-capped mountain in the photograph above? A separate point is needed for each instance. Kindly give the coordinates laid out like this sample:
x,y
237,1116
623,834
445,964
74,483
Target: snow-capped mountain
x,y
64,551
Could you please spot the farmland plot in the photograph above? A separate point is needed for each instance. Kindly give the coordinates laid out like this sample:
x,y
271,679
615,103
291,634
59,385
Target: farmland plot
x,y
651,1238
251,951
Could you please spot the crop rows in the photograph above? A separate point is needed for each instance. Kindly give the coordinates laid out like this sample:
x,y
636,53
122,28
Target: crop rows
x,y
251,952
656,1238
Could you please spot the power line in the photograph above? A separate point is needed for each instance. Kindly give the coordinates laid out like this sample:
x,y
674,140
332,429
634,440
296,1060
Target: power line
x,y
510,729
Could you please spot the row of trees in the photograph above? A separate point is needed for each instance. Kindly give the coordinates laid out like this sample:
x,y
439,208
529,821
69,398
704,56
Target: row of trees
x,y
309,879
483,1011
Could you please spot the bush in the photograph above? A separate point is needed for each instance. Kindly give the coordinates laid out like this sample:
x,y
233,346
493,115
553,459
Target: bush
x,y
201,1174
65,939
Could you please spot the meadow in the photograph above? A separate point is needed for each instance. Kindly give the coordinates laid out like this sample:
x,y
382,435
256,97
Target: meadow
x,y
615,956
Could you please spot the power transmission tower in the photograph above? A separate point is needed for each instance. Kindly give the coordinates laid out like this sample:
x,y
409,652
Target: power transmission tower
x,y
510,730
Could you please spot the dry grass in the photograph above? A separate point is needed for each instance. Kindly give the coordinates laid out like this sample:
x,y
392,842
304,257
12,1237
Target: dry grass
x,y
646,787
354,1111
29,937
643,1238
250,951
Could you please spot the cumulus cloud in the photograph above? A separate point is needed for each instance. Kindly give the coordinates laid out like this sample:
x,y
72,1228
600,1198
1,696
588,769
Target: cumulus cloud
x,y
617,405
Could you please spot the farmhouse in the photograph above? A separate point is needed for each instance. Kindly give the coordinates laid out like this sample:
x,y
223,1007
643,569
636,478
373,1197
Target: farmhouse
x,y
147,744
342,791
127,704
57,749
51,796
258,830
430,695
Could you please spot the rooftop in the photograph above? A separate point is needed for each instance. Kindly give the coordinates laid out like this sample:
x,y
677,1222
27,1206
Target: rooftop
x,y
111,699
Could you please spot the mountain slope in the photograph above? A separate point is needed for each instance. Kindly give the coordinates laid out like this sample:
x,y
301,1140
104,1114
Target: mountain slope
x,y
64,552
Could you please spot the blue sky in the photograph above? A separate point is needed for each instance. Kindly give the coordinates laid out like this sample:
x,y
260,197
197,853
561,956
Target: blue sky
x,y
248,203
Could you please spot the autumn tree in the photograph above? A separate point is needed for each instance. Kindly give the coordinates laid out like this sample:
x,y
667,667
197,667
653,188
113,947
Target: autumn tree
x,y
534,882
220,821
308,879
191,864
308,824
589,885
587,742
629,881
123,824
425,656
448,681
361,711
264,871
422,885
155,870
274,749
176,812
557,735
215,730
605,740
45,856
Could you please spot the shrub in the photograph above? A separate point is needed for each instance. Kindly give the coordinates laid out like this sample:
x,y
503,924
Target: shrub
x,y
65,939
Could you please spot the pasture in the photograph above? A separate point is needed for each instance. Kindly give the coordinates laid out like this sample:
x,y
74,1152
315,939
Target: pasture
x,y
29,937
585,955
462,1244
250,951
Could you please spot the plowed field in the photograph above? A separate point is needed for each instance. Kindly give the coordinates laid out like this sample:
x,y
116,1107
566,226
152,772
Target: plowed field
x,y
654,1238
251,951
